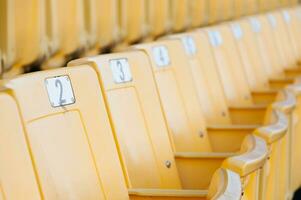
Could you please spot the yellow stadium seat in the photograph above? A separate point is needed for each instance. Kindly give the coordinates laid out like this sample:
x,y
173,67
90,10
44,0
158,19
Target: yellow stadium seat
x,y
221,10
75,155
195,160
158,17
239,8
17,176
67,34
202,66
101,25
132,20
22,41
252,7
265,5
198,10
72,150
218,114
180,16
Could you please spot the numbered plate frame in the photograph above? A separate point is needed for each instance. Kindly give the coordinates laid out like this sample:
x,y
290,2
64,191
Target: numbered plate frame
x,y
189,45
60,91
236,30
161,56
256,25
121,70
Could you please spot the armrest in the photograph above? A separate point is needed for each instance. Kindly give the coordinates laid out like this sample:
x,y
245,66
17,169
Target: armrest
x,y
225,184
274,132
264,97
206,155
254,156
248,114
296,88
288,104
168,193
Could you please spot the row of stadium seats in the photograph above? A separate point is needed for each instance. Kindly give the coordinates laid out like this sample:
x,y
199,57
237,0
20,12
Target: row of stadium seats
x,y
48,33
208,113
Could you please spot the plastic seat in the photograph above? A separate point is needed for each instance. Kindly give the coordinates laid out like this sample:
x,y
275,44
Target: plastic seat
x,y
66,35
133,22
198,10
192,155
180,16
102,22
220,10
75,155
72,151
22,43
158,17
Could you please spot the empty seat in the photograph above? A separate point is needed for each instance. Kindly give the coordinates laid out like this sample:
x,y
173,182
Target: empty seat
x,y
158,17
198,10
66,34
22,43
180,16
75,155
17,175
102,21
132,22
72,151
131,94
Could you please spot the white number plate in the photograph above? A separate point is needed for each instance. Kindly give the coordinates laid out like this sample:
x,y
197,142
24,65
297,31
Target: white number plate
x,y
237,31
215,38
272,20
286,16
60,91
256,26
121,70
161,56
189,45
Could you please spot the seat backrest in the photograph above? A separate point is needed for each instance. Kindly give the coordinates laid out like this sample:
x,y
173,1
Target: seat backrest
x,y
252,6
66,29
68,134
289,28
225,184
106,14
158,19
215,11
133,20
279,21
178,95
253,63
295,29
240,8
198,10
267,46
22,41
205,76
138,122
265,5
17,175
180,16
229,65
